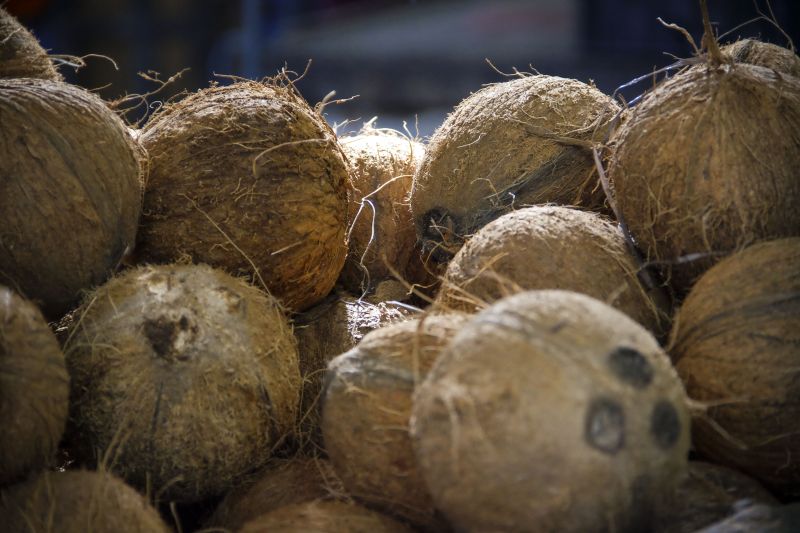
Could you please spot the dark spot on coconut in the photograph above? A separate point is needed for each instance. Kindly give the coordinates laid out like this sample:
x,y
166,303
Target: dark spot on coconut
x,y
161,334
641,509
605,425
183,323
631,366
440,234
665,426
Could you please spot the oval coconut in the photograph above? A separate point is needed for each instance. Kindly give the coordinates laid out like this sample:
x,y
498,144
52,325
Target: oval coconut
x,y
250,179
381,229
77,501
21,55
185,376
549,247
771,56
70,191
735,344
500,148
34,389
365,411
323,517
551,411
707,163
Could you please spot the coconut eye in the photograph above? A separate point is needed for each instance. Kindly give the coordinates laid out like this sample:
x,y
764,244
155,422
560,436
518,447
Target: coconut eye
x,y
665,426
605,426
631,366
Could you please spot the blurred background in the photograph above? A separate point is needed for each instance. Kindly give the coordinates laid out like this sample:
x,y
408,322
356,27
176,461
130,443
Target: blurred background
x,y
407,60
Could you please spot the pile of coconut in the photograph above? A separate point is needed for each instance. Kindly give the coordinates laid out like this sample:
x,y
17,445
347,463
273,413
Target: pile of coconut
x,y
561,312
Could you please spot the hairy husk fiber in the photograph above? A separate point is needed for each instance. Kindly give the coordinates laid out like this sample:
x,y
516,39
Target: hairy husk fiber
x,y
496,151
34,389
771,56
183,377
549,247
551,411
735,345
707,164
323,517
70,191
21,55
365,411
77,501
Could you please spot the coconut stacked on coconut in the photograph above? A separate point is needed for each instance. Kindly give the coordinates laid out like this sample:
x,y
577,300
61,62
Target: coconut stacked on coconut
x,y
21,55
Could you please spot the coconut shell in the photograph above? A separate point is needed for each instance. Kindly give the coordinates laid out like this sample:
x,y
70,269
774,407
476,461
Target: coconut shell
x,y
496,151
381,227
551,411
707,163
735,344
21,55
34,389
250,179
70,191
185,376
323,517
77,501
365,411
549,247
755,52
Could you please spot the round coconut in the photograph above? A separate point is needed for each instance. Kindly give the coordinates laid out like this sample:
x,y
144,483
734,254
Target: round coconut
x,y
735,344
21,55
248,178
507,145
551,411
185,376
323,517
77,501
707,163
381,233
709,494
70,191
755,52
549,247
365,411
34,389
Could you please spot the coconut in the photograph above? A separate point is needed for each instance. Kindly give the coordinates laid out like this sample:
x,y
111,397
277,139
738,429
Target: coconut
x,y
34,389
381,231
707,163
185,376
735,344
755,52
551,411
67,164
21,55
549,247
509,144
323,517
77,501
365,411
759,518
250,179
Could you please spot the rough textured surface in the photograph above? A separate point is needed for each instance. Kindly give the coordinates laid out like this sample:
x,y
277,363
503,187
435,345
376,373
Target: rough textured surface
x,y
759,518
763,54
250,179
736,345
551,411
21,56
324,517
34,389
495,152
382,229
549,247
695,173
70,191
183,375
365,411
77,501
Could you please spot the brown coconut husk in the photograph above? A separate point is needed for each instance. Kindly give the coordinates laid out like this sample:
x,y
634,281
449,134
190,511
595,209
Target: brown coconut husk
x,y
77,501
550,247
183,379
21,55
510,144
248,178
381,232
70,191
324,517
34,389
553,409
755,52
365,410
735,346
